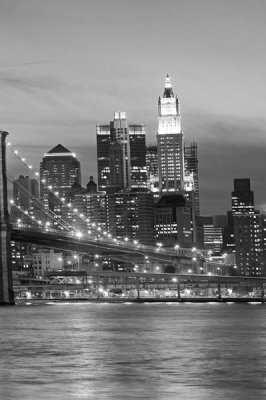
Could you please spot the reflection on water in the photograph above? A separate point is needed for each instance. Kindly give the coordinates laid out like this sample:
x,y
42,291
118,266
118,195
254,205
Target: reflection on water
x,y
133,351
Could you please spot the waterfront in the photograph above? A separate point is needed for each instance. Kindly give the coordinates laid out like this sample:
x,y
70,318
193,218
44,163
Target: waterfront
x,y
133,351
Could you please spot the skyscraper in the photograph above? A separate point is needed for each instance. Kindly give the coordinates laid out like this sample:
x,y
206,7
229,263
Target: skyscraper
x,y
119,135
59,169
191,169
121,151
24,190
247,230
121,154
152,168
175,209
242,197
170,141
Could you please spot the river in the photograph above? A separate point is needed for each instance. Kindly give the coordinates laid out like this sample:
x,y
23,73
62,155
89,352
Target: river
x,y
133,351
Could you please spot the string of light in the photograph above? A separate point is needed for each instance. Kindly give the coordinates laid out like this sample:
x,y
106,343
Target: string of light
x,y
91,226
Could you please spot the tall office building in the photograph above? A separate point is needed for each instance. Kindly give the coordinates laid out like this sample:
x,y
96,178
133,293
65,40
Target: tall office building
x,y
25,195
121,154
247,230
137,137
103,155
170,141
191,170
25,189
152,168
119,135
209,234
59,169
175,209
130,214
242,197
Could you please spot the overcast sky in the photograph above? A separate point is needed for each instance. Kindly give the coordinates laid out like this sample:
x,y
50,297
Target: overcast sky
x,y
66,65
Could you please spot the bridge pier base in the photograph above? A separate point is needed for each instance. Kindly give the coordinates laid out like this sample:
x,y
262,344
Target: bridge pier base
x,y
219,291
6,286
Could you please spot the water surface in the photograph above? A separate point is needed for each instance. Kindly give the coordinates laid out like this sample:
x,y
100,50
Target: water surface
x,y
133,351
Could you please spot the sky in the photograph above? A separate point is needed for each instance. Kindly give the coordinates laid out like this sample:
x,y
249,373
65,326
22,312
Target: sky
x,y
66,65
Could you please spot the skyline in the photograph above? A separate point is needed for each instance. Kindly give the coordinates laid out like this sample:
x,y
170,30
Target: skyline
x,y
60,73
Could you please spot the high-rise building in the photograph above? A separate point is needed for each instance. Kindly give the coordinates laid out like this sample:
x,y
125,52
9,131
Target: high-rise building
x,y
247,230
25,189
173,222
25,195
103,155
175,209
137,137
209,234
191,168
170,141
59,169
88,206
248,233
152,168
242,197
121,154
130,215
119,134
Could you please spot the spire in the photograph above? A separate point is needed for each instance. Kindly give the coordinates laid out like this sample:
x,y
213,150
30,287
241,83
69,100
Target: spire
x,y
168,82
168,90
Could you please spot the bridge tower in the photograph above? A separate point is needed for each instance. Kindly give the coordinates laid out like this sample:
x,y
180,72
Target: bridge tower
x,y
6,287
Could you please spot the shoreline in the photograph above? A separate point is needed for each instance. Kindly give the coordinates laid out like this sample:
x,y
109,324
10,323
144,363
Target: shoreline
x,y
143,300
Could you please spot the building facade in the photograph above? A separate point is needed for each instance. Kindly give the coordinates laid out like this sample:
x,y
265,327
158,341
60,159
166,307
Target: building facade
x,y
59,169
247,230
170,142
192,171
175,208
121,154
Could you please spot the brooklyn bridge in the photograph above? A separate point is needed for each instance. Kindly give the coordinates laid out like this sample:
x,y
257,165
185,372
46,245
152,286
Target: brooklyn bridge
x,y
190,267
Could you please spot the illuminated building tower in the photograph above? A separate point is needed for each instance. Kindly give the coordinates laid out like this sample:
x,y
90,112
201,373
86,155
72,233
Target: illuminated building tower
x,y
89,204
103,155
242,197
119,134
121,154
173,222
152,168
116,163
137,137
130,215
248,233
247,230
170,142
175,209
209,234
191,168
59,169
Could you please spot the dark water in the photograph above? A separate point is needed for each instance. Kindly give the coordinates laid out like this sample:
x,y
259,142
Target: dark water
x,y
131,351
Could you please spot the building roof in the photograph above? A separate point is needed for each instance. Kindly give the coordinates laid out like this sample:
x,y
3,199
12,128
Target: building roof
x,y
59,149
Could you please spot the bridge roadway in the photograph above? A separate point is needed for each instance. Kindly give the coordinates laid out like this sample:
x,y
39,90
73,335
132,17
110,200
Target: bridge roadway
x,y
87,245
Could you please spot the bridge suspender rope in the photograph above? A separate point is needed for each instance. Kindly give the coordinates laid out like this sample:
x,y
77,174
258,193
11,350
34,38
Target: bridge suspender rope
x,y
6,289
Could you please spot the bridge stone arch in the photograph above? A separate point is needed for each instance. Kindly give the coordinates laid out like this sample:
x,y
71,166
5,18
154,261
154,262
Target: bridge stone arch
x,y
6,286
